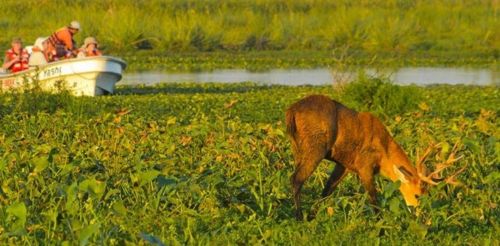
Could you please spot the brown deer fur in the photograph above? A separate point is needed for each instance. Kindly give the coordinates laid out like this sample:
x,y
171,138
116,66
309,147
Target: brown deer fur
x,y
320,128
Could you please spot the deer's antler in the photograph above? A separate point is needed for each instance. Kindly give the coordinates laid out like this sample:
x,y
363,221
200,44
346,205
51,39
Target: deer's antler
x,y
420,163
435,176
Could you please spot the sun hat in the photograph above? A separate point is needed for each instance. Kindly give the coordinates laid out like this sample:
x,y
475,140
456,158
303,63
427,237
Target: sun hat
x,y
89,40
74,25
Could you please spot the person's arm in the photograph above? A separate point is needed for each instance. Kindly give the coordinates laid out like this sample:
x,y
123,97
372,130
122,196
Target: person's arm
x,y
7,64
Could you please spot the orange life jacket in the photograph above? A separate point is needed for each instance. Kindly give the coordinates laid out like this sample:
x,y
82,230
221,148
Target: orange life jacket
x,y
60,45
20,65
62,37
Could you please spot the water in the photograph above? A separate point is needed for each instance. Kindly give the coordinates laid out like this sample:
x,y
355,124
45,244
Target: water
x,y
322,76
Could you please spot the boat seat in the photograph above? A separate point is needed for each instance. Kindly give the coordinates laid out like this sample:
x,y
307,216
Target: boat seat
x,y
37,59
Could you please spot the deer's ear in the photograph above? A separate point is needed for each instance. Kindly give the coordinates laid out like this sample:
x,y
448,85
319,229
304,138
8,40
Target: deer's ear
x,y
399,174
405,171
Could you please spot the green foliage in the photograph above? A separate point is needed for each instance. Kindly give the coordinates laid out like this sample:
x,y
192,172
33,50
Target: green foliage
x,y
394,28
35,100
210,164
336,59
17,213
380,96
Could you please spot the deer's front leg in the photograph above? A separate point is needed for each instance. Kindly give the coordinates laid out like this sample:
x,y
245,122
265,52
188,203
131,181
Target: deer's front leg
x,y
365,167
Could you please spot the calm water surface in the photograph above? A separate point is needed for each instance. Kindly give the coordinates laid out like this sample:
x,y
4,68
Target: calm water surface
x,y
322,76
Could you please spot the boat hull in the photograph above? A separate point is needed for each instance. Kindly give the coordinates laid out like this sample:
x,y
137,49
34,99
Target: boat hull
x,y
90,76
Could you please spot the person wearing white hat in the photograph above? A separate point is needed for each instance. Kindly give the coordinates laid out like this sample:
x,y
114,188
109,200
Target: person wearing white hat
x,y
61,44
89,48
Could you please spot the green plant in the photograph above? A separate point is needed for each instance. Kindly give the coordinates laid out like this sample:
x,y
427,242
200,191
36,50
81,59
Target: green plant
x,y
380,96
385,28
190,163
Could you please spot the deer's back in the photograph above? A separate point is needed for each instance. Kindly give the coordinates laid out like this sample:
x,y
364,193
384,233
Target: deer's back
x,y
315,117
343,131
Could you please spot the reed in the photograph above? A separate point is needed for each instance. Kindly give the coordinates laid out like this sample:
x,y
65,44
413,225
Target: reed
x,y
397,27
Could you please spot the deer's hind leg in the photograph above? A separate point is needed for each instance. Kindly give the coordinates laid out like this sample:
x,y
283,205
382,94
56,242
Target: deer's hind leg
x,y
309,153
337,175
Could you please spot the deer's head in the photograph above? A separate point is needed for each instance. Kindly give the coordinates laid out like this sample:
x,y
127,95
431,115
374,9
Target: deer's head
x,y
413,186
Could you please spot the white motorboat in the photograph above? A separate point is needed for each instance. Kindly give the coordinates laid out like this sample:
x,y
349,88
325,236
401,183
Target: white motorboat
x,y
90,76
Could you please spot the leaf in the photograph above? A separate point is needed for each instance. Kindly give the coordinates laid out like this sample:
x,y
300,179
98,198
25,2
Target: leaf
x,y
171,149
493,178
122,111
185,140
3,164
423,106
40,164
267,234
483,125
329,211
148,176
119,208
390,188
279,132
93,186
52,152
164,181
19,212
171,120
76,224
445,149
497,150
51,215
87,232
482,121
151,239
418,229
230,104
472,145
111,193
71,192
394,205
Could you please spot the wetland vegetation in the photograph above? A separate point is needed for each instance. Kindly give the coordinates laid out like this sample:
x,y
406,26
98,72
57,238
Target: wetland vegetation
x,y
210,163
257,34
192,163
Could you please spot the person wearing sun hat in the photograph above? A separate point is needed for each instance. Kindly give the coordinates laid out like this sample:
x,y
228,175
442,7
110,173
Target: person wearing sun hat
x,y
61,44
89,48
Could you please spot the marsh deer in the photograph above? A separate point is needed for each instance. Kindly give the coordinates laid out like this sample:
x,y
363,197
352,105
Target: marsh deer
x,y
320,128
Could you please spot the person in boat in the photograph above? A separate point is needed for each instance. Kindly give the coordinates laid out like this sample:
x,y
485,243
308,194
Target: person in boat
x,y
89,48
16,58
61,45
37,56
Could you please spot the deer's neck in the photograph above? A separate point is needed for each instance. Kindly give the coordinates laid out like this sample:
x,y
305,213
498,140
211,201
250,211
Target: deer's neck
x,y
395,157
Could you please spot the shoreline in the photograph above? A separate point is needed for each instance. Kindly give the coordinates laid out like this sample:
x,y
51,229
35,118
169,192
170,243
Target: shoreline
x,y
266,60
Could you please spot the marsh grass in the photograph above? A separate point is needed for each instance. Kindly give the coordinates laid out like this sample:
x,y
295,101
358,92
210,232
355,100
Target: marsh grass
x,y
448,30
210,164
